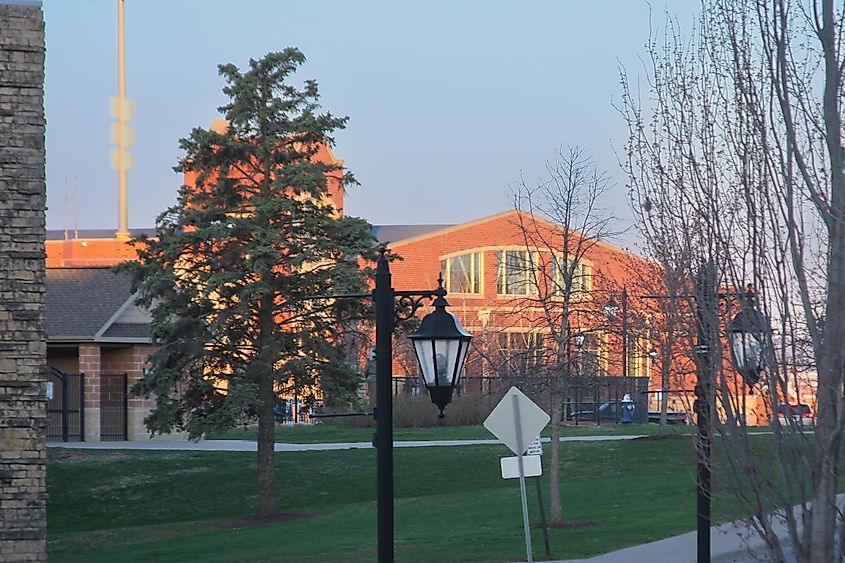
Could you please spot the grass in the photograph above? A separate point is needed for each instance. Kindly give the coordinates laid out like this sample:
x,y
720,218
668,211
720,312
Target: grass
x,y
329,433
451,503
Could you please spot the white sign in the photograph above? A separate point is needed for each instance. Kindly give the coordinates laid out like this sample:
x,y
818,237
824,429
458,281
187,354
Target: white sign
x,y
516,421
49,390
530,465
536,448
503,423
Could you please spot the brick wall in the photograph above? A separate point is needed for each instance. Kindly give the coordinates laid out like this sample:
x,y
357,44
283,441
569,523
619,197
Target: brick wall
x,y
488,312
132,360
90,365
23,515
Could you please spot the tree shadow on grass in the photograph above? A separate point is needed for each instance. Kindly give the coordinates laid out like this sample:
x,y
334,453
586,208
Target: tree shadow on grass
x,y
250,521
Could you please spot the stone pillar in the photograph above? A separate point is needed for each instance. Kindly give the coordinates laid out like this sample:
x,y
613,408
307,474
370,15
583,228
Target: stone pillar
x,y
90,363
23,515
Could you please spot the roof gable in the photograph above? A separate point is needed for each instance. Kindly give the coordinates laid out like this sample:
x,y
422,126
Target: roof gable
x,y
81,303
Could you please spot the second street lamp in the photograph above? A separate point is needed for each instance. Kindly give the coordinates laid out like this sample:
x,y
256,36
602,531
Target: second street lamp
x,y
747,338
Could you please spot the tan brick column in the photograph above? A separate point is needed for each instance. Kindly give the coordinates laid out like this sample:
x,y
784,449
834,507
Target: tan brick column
x,y
90,364
23,419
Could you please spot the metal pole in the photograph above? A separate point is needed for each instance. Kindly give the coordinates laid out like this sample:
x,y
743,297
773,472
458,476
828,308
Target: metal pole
x,y
81,407
65,407
521,447
543,519
624,331
383,298
122,149
704,300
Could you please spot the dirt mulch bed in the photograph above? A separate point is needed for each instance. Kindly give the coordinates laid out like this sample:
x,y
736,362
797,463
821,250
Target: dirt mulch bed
x,y
256,521
658,437
568,524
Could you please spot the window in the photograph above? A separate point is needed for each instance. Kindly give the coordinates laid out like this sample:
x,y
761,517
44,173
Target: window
x,y
581,278
520,353
592,356
462,274
637,356
515,275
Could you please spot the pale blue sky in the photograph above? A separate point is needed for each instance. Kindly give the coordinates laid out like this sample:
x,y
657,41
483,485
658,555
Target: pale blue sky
x,y
449,102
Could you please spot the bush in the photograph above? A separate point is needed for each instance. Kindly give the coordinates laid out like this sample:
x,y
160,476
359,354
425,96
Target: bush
x,y
418,412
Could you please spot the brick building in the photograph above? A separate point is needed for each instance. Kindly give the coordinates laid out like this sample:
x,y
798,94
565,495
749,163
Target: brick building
x,y
98,343
483,264
477,261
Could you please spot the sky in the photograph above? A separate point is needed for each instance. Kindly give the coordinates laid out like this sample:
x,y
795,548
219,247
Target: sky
x,y
449,103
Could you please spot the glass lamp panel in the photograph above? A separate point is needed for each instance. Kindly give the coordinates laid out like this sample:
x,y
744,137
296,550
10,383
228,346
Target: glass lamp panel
x,y
446,354
423,350
748,350
462,355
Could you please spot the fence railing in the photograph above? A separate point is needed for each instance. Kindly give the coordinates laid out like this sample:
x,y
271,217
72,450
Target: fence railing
x,y
595,398
65,406
114,424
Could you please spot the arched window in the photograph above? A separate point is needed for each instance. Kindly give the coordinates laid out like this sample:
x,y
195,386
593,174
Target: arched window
x,y
463,273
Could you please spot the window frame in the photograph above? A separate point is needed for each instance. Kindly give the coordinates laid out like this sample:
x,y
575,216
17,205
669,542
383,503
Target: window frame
x,y
582,282
502,285
476,262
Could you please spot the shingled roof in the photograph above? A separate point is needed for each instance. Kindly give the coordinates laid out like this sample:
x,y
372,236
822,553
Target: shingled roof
x,y
83,304
393,233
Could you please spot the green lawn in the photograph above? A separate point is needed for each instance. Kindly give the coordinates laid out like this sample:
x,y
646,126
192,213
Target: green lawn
x,y
327,433
451,504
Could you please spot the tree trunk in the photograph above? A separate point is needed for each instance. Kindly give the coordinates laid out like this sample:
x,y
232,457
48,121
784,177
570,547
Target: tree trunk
x,y
267,505
555,508
664,398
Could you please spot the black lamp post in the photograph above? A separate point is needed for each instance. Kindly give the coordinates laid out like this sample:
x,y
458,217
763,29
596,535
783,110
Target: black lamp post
x,y
611,309
747,338
440,344
747,334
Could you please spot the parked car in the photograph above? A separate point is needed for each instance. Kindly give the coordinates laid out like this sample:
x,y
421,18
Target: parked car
x,y
607,412
799,413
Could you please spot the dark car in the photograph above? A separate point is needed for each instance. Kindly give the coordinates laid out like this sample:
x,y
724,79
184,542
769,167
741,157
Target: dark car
x,y
607,412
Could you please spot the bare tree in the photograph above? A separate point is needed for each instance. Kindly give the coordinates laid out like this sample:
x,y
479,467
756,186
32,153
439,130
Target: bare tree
x,y
560,220
735,159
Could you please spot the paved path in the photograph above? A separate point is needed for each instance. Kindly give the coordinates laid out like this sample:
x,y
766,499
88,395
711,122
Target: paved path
x,y
250,446
729,543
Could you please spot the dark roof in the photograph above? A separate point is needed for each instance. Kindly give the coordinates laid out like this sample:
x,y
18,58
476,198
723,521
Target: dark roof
x,y
59,234
80,301
127,330
383,233
393,233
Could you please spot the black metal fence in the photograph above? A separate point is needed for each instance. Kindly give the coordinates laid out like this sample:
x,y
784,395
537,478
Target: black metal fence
x,y
113,407
588,399
65,406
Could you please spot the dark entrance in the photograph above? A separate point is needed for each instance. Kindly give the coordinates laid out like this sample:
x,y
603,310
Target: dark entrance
x,y
113,407
65,406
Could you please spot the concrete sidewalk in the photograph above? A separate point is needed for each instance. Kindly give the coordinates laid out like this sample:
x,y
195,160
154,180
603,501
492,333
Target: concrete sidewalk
x,y
732,542
729,543
250,446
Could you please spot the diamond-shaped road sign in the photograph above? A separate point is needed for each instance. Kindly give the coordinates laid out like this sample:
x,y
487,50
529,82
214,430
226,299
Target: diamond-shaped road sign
x,y
516,421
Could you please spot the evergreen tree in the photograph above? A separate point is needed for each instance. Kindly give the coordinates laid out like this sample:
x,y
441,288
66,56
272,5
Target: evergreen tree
x,y
229,266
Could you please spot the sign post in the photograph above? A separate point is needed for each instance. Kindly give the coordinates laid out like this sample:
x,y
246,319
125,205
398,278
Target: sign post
x,y
516,420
